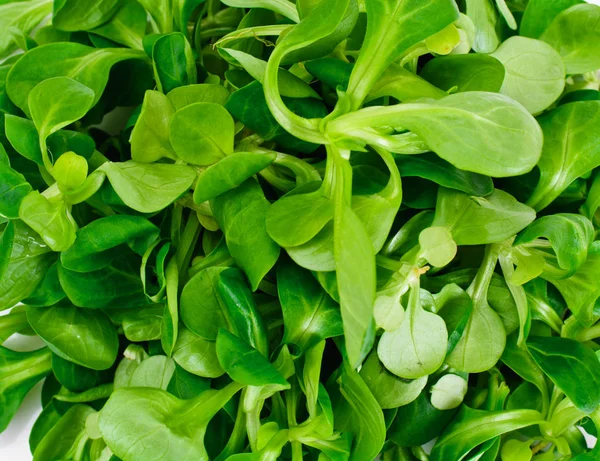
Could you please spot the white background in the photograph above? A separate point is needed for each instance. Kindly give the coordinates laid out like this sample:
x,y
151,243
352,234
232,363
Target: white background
x,y
14,444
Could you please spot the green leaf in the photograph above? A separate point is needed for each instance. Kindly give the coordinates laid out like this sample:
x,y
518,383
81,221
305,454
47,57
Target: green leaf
x,y
88,66
458,128
478,220
465,72
393,27
289,85
473,427
367,418
418,347
309,313
389,390
332,72
76,378
571,149
52,220
55,103
570,236
141,324
23,137
229,173
134,422
377,210
297,218
13,189
27,264
197,355
19,373
127,26
102,241
485,18
283,7
572,367
245,364
24,16
419,422
65,436
207,321
149,188
70,172
241,214
90,341
117,286
155,372
249,106
535,73
183,96
317,254
539,14
403,85
71,15
244,318
150,136
482,341
202,133
161,14
575,35
174,63
437,246
355,270
520,360
184,10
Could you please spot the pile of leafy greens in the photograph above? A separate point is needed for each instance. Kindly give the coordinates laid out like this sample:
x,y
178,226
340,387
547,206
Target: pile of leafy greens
x,y
327,230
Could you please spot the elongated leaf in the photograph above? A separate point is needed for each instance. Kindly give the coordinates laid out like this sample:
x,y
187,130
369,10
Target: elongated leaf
x,y
309,313
19,372
355,269
393,27
368,423
539,14
572,367
458,128
174,63
473,427
241,213
571,149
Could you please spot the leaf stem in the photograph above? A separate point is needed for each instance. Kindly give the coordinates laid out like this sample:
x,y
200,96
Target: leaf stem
x,y
479,287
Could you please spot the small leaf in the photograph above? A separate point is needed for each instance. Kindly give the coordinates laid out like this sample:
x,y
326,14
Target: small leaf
x,y
202,133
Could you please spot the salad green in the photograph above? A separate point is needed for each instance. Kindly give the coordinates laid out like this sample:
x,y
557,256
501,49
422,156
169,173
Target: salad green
x,y
329,230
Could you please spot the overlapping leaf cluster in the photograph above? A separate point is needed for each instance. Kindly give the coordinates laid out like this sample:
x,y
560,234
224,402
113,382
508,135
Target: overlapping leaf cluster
x,y
324,230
